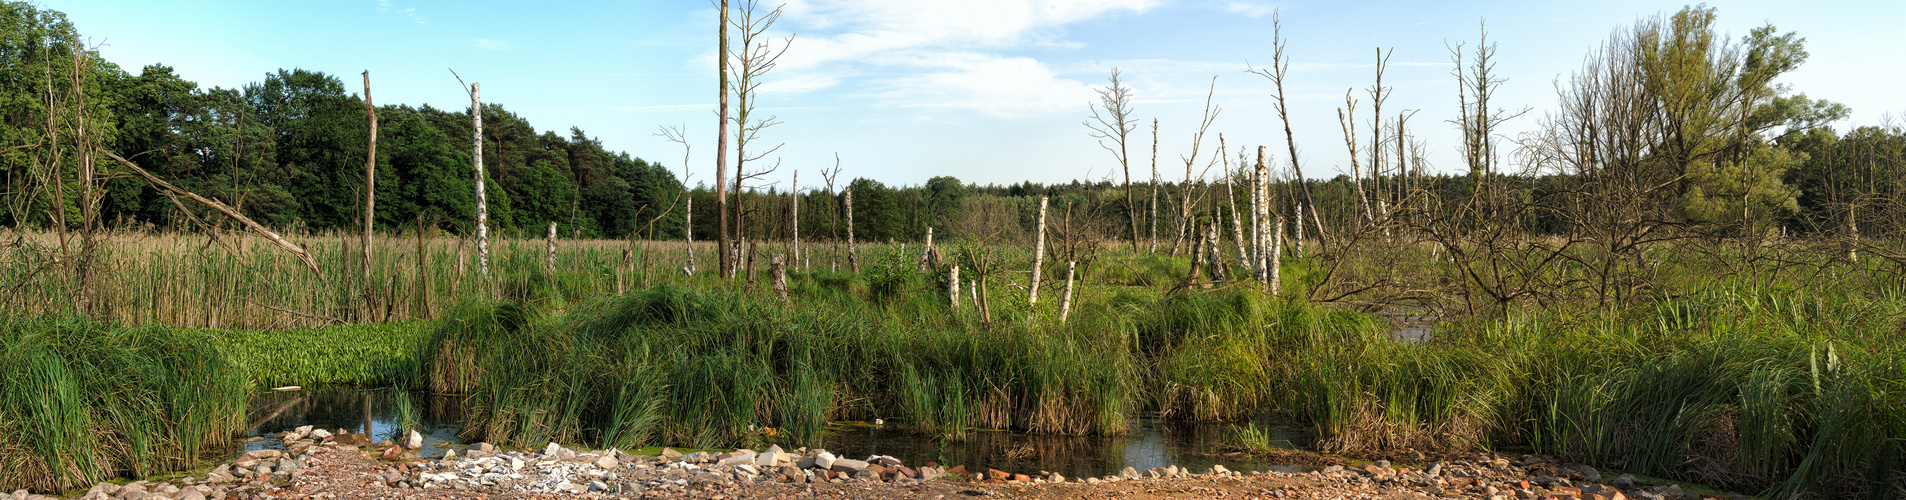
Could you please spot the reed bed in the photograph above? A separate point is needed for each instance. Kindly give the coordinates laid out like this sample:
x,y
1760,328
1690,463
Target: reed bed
x,y
82,401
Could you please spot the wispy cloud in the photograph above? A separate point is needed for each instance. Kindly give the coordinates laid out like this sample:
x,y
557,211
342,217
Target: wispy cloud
x,y
940,54
488,44
408,13
1249,9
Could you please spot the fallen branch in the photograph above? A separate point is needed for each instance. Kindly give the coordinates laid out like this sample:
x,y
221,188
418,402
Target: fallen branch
x,y
222,208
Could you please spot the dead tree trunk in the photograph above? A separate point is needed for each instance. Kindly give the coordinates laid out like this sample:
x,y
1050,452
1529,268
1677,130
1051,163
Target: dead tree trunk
x,y
1154,208
780,277
1038,255
721,151
853,256
482,203
1260,190
1217,251
254,226
794,217
688,236
1275,285
370,179
423,271
1065,303
549,245
953,287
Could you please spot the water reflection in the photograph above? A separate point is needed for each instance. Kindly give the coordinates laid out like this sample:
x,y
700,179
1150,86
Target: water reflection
x,y
1151,443
376,411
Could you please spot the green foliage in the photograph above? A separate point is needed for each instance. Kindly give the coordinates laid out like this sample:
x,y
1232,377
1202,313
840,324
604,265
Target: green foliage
x,y
82,401
364,354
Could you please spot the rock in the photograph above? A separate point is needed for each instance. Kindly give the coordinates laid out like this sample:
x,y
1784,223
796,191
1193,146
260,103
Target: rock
x,y
670,453
998,475
736,458
391,453
824,460
607,463
262,455
552,449
413,440
1625,481
848,465
1592,475
450,455
190,495
884,460
320,434
1218,470
768,458
516,463
289,465
1672,492
1128,473
302,430
1435,469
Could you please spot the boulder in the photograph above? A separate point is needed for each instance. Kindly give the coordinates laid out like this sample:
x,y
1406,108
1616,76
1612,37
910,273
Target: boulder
x,y
848,465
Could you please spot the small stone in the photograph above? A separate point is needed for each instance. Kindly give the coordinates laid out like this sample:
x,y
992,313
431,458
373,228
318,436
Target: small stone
x,y
1625,481
1592,475
1435,469
1128,473
670,453
1218,470
320,433
450,455
607,463
552,449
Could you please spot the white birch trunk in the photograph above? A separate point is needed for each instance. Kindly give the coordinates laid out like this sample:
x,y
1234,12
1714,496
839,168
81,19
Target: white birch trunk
x,y
794,216
1038,254
953,286
1275,284
482,203
688,235
853,258
780,276
1065,303
549,255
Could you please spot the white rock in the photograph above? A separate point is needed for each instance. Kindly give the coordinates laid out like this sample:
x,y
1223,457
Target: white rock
x,y
413,440
824,460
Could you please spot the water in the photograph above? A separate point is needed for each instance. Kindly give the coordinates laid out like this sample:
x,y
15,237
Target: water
x,y
358,410
1151,442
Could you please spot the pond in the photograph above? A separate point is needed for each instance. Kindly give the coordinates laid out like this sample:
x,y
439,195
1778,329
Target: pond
x,y
1151,443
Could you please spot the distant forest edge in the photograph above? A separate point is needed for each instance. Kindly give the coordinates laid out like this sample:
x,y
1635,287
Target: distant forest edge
x,y
289,151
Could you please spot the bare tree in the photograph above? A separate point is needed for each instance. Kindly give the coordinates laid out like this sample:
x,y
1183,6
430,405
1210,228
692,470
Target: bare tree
x,y
1154,204
1280,67
754,57
1184,213
721,150
679,135
370,178
1112,121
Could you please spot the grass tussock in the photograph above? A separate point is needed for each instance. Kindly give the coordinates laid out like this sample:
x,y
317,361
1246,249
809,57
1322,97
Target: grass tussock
x,y
82,401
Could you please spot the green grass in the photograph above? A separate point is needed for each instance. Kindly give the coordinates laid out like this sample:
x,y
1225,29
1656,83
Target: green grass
x,y
81,401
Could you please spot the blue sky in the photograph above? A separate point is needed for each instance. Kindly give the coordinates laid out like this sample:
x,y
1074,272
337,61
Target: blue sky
x,y
989,91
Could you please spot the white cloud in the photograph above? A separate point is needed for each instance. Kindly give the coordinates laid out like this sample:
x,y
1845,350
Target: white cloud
x,y
408,13
488,44
1249,9
939,54
1003,87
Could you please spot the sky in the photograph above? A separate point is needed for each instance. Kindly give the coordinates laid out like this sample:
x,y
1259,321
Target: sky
x,y
988,91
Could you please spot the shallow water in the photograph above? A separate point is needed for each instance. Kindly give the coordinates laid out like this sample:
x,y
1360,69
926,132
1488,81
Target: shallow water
x,y
1151,442
373,410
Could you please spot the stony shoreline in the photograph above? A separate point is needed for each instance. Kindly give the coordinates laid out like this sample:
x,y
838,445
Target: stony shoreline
x,y
326,465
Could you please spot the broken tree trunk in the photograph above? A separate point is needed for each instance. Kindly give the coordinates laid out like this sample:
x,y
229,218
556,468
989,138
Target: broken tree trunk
x,y
1038,255
1065,303
780,277
482,202
688,235
370,178
853,257
1275,283
953,287
549,245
